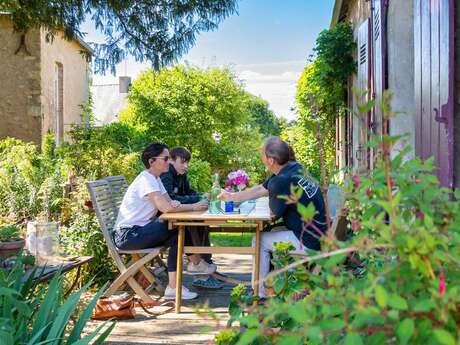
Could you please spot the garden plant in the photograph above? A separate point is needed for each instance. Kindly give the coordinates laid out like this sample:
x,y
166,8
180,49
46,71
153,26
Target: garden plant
x,y
404,229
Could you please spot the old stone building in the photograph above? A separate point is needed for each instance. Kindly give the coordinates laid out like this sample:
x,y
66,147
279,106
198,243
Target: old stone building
x,y
43,83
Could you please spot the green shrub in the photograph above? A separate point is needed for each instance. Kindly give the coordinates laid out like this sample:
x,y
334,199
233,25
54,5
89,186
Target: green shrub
x,y
9,233
192,107
200,175
31,315
93,155
405,234
30,182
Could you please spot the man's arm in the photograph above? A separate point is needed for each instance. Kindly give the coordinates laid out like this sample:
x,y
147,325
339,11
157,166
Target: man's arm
x,y
248,194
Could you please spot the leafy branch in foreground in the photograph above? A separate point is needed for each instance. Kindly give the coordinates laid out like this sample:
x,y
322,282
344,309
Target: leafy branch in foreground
x,y
406,231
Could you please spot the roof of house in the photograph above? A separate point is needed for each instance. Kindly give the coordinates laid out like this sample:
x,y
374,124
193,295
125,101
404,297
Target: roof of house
x,y
336,12
84,45
77,39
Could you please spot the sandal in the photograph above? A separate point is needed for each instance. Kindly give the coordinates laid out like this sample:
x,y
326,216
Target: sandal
x,y
209,283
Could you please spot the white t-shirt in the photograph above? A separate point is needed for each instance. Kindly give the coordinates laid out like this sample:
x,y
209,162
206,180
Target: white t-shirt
x,y
136,207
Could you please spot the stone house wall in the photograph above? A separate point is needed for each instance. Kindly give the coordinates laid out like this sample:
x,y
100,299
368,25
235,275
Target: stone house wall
x,y
75,72
28,82
20,105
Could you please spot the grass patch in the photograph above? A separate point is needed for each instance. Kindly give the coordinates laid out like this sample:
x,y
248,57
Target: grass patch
x,y
231,239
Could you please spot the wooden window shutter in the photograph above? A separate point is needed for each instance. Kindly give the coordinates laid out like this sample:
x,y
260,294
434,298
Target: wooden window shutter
x,y
378,63
433,82
362,154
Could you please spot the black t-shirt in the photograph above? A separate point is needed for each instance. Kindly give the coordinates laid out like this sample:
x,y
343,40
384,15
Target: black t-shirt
x,y
178,187
280,184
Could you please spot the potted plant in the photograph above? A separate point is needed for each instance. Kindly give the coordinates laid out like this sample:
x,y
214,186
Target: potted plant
x,y
11,241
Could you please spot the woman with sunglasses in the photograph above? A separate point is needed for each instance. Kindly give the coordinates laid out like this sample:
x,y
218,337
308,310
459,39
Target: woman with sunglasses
x,y
137,225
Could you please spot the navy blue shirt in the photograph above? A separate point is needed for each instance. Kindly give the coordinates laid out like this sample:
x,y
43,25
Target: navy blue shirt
x,y
280,184
178,187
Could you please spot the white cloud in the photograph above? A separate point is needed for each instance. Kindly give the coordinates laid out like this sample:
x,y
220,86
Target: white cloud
x,y
278,89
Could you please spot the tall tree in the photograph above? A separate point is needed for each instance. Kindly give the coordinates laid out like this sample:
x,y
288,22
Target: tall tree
x,y
159,31
204,110
263,117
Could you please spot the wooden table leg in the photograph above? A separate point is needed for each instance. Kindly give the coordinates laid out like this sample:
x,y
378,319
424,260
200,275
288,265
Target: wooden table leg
x,y
180,253
257,260
74,283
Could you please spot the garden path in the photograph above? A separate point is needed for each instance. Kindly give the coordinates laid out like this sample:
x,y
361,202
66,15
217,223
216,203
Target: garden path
x,y
186,328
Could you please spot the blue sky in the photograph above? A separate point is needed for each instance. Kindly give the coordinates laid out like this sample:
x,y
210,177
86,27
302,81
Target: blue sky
x,y
266,44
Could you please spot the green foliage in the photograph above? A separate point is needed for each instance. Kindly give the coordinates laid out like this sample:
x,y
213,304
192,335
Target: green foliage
x,y
263,118
200,175
96,152
405,233
320,98
9,233
401,296
334,55
193,107
305,146
156,31
29,180
41,315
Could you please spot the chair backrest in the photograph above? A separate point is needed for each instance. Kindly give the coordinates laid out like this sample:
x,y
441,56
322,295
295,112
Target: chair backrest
x,y
118,186
335,199
106,212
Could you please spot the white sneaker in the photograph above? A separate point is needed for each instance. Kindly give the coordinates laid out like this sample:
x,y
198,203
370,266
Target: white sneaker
x,y
201,268
186,293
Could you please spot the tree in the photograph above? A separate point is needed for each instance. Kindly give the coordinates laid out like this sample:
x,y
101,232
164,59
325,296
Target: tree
x,y
203,110
159,31
323,82
263,117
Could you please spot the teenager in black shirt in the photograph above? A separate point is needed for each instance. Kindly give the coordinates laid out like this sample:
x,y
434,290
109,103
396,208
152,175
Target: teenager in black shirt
x,y
178,187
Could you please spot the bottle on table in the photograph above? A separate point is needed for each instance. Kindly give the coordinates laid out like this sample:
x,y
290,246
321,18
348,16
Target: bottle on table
x,y
214,203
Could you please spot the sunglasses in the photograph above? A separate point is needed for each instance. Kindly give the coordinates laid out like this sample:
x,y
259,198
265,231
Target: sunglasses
x,y
165,158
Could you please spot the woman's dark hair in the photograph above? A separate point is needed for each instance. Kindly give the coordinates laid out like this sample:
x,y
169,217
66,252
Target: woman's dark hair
x,y
151,151
181,152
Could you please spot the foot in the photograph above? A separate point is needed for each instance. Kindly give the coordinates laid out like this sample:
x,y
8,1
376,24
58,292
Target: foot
x,y
201,268
170,293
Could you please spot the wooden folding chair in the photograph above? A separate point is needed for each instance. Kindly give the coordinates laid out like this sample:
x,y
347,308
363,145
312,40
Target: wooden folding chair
x,y
335,201
105,205
118,186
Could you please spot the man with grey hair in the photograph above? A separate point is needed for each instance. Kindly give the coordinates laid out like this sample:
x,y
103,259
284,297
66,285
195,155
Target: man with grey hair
x,y
275,155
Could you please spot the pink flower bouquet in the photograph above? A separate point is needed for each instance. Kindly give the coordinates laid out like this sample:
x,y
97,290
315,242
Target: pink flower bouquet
x,y
237,180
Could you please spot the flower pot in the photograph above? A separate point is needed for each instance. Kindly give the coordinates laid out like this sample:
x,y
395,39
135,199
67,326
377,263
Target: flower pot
x,y
11,248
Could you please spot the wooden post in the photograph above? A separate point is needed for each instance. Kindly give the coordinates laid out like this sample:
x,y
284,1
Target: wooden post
x,y
257,258
180,253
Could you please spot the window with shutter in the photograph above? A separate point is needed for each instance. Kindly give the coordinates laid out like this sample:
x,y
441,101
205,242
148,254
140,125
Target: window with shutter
x,y
362,153
378,61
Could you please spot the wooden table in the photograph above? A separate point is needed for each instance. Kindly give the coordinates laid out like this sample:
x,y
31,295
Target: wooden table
x,y
251,222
